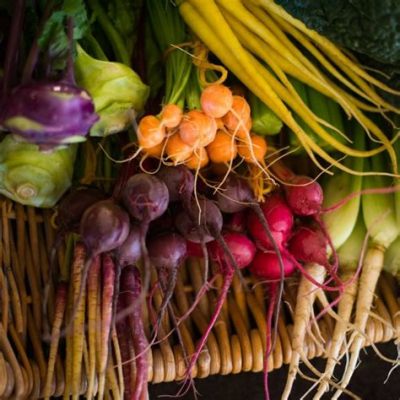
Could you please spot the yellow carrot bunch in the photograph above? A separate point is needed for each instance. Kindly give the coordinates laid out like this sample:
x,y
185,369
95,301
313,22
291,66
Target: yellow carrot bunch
x,y
257,41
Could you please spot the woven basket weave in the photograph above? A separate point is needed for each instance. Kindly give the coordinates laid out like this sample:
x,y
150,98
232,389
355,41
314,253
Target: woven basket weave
x,y
237,342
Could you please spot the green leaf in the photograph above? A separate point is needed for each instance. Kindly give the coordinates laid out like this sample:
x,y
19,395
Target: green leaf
x,y
124,15
77,10
54,37
368,27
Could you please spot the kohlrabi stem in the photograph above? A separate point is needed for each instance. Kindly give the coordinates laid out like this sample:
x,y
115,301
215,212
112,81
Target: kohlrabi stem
x,y
120,50
95,46
69,72
13,46
108,168
34,50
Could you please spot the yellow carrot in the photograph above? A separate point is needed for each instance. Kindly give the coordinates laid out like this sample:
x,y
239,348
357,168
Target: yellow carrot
x,y
61,299
326,44
78,326
92,298
224,43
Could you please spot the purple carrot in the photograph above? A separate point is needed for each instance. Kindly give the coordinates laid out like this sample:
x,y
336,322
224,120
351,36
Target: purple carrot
x,y
108,273
130,293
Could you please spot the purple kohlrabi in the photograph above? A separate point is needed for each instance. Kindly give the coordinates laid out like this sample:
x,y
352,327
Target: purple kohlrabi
x,y
49,114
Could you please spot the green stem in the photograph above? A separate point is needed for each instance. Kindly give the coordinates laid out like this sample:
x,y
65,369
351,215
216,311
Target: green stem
x,y
95,47
107,166
114,37
193,91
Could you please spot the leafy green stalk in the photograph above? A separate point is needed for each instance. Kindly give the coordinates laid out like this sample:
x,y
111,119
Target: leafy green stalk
x,y
379,209
193,91
124,15
116,41
265,122
340,222
349,252
169,30
392,259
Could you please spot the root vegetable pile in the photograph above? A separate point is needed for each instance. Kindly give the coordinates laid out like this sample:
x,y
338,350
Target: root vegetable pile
x,y
218,179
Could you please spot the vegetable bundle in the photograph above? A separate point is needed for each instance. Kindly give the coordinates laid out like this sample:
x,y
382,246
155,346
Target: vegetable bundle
x,y
220,135
248,33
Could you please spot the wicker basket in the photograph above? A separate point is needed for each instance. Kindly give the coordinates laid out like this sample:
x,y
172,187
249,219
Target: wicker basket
x,y
236,344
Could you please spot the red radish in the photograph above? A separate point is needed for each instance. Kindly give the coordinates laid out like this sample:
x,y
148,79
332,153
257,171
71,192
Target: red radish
x,y
242,250
241,247
167,252
146,198
130,294
280,221
270,224
216,100
265,265
309,245
236,195
304,196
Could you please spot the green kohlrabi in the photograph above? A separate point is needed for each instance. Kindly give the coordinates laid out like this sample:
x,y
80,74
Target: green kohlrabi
x,y
32,177
117,91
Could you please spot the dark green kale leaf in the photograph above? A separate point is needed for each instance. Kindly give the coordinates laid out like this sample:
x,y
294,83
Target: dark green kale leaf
x,y
370,27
